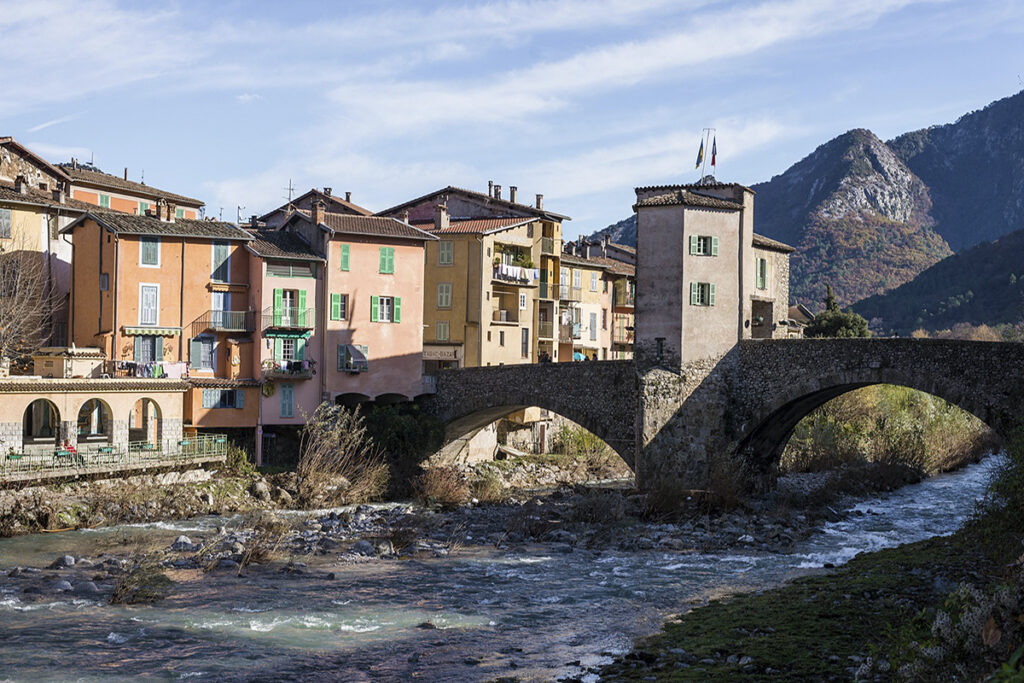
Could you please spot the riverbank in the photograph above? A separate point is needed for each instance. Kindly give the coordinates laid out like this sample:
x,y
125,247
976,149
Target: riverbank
x,y
874,618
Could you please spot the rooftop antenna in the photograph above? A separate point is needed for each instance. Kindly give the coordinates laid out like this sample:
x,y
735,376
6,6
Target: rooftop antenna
x,y
238,214
220,216
290,189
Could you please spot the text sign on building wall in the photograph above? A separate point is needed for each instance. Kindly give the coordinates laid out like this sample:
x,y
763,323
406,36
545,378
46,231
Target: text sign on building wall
x,y
433,352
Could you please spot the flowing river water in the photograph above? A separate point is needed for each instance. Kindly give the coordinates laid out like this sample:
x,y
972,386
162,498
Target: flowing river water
x,y
532,614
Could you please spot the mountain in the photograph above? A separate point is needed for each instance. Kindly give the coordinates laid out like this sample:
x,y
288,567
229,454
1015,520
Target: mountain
x,y
623,232
868,216
974,169
984,284
859,218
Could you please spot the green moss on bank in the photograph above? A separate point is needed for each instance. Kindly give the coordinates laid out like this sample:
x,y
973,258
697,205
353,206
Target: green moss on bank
x,y
809,629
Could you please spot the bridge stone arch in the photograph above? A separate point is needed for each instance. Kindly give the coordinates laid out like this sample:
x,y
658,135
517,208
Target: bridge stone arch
x,y
599,396
794,377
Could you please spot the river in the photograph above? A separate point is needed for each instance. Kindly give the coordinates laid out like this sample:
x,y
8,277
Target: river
x,y
532,613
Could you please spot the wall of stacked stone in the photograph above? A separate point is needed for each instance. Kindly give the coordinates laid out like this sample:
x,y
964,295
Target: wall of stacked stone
x,y
10,437
599,396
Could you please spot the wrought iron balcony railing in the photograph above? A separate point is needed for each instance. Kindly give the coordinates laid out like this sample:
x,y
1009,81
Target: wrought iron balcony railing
x,y
289,318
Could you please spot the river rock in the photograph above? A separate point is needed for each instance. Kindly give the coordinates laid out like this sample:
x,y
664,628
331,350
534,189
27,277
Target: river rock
x,y
63,562
260,491
183,543
15,572
384,547
282,497
86,588
227,563
62,586
363,548
746,538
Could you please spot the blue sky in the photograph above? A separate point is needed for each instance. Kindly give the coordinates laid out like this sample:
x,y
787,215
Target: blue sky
x,y
580,100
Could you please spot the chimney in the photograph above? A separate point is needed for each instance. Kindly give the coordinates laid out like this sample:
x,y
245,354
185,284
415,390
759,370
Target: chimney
x,y
58,193
21,184
171,211
348,197
318,211
540,201
441,219
254,222
604,245
152,213
490,188
497,191
404,216
327,191
126,173
512,192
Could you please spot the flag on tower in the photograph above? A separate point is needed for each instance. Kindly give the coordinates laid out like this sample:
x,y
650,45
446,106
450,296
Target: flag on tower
x,y
700,155
714,150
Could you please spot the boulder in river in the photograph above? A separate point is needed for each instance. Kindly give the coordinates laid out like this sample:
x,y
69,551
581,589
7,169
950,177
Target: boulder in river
x,y
363,548
63,562
183,543
260,491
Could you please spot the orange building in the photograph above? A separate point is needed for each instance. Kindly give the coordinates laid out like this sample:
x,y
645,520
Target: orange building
x,y
168,297
92,186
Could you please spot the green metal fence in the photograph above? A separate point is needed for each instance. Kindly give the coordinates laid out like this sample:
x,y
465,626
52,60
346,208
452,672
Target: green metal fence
x,y
94,458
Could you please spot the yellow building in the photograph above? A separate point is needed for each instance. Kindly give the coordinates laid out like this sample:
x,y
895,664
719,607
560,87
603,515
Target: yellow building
x,y
490,293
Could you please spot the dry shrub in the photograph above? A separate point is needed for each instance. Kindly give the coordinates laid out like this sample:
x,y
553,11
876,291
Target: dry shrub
x,y
597,507
261,548
531,520
729,482
488,487
339,462
144,583
445,486
405,533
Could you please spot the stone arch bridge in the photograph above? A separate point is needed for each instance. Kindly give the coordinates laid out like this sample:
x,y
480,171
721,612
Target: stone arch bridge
x,y
745,404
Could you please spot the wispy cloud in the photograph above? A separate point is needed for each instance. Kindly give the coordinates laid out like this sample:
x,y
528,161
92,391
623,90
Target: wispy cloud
x,y
248,97
52,122
59,153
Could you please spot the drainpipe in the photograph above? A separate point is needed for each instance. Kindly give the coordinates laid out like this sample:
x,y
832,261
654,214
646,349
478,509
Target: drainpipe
x,y
181,305
117,283
71,296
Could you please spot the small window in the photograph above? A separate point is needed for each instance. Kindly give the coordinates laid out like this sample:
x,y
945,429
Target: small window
x,y
762,273
291,269
385,309
223,398
148,348
522,302
105,201
702,294
5,223
343,259
444,295
604,318
287,349
221,261
149,304
445,252
287,392
339,306
501,337
593,327
703,245
442,333
526,343
179,213
593,282
205,347
104,282
149,251
577,278
143,208
387,259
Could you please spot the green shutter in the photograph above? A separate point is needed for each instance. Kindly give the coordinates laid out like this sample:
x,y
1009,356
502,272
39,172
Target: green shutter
x,y
714,246
278,306
335,306
694,287
208,401
195,352
711,294
383,260
239,398
693,244
373,308
300,348
344,257
158,352
391,259
301,316
398,309
277,348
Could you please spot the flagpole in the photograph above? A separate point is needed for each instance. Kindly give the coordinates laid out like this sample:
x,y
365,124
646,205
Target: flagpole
x,y
707,140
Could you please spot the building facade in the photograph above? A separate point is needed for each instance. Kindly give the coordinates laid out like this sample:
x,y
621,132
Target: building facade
x,y
90,185
705,280
490,294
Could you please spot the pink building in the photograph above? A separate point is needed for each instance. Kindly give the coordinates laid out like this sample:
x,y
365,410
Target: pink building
x,y
340,298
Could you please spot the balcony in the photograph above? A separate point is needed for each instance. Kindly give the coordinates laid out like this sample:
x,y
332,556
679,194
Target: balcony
x,y
545,329
513,275
567,332
225,321
622,335
288,318
569,293
624,298
550,246
288,369
505,316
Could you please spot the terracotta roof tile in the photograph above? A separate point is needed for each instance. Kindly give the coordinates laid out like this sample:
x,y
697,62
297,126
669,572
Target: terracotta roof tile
x,y
281,244
601,262
117,183
128,224
479,196
768,243
376,226
222,383
40,198
682,197
479,226
329,199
